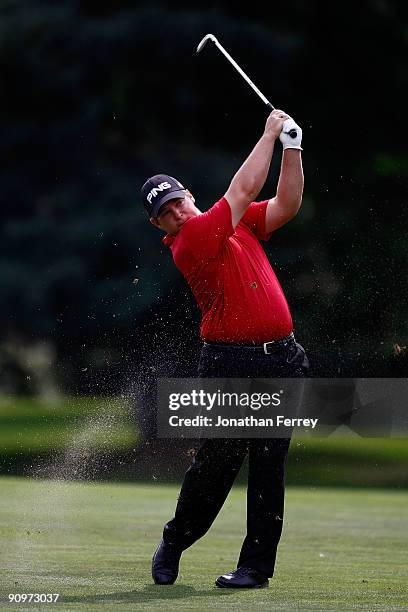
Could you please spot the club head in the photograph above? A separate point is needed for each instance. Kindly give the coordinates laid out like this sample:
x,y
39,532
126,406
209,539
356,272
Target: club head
x,y
206,38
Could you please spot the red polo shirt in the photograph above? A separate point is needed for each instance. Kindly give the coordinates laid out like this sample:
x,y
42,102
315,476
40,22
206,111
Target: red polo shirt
x,y
240,298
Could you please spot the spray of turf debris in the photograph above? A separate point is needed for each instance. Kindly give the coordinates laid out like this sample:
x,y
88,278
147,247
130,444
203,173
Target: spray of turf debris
x,y
118,437
95,441
47,517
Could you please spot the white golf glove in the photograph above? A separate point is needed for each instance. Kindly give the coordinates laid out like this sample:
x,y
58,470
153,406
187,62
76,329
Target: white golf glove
x,y
288,141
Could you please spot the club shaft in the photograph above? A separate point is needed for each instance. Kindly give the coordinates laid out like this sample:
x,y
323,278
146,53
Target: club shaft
x,y
242,73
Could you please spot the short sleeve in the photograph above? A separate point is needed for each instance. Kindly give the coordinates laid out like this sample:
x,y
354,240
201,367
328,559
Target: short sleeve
x,y
254,218
206,234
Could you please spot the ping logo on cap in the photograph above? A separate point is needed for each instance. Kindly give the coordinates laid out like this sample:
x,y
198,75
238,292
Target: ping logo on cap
x,y
153,193
158,190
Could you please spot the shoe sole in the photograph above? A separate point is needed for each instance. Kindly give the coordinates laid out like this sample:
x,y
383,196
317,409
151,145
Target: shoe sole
x,y
264,585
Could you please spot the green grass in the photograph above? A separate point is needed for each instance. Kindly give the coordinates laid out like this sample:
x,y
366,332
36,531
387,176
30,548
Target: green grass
x,y
342,549
34,432
348,460
29,425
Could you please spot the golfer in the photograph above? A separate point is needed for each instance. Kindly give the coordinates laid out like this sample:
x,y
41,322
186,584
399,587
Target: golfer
x,y
247,331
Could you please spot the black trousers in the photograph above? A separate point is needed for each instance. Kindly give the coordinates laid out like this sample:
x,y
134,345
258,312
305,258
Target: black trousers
x,y
213,470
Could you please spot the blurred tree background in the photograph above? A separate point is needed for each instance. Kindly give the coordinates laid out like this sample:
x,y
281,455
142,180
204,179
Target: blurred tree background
x,y
97,96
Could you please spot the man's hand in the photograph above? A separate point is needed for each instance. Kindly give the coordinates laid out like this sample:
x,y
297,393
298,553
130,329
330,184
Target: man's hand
x,y
286,139
251,177
275,122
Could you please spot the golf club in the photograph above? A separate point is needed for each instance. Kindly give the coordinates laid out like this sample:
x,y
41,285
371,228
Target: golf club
x,y
207,37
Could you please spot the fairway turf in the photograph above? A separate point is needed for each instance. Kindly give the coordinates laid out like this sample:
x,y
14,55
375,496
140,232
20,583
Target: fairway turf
x,y
342,549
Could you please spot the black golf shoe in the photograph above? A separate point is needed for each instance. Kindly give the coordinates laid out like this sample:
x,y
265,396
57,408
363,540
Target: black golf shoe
x,y
165,563
243,578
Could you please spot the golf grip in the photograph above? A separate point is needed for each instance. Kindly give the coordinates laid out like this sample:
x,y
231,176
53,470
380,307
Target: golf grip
x,y
292,133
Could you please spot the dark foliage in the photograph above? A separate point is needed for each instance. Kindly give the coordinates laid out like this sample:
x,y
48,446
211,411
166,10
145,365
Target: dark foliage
x,y
96,96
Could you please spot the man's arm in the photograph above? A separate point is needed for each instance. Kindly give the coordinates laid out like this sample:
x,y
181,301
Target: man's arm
x,y
251,177
285,205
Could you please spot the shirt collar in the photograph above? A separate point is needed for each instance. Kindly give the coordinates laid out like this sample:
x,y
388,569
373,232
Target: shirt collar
x,y
168,240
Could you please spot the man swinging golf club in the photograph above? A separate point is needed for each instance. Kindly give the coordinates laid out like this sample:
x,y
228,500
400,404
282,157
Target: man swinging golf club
x,y
247,331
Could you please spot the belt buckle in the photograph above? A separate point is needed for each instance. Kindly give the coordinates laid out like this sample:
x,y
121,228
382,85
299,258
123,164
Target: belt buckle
x,y
265,348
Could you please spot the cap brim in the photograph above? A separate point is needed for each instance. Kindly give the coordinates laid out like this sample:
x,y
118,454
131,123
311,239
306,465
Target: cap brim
x,y
169,196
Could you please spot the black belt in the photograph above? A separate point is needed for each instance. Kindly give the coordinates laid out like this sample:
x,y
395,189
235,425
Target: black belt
x,y
266,347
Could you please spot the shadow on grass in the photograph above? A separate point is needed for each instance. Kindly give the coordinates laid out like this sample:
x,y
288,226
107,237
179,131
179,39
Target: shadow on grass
x,y
149,593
